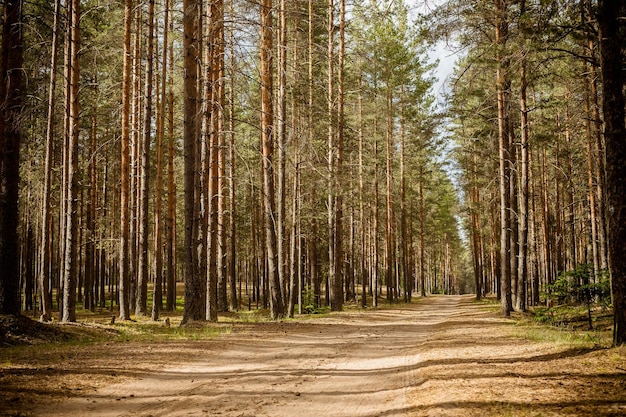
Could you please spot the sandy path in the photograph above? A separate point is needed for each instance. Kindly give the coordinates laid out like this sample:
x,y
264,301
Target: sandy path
x,y
442,356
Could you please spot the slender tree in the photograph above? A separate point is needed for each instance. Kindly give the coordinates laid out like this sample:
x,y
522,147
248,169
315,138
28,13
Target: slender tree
x,y
171,187
144,221
124,262
157,302
277,306
502,91
46,244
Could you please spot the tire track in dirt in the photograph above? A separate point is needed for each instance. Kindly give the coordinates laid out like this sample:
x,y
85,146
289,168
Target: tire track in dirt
x,y
440,356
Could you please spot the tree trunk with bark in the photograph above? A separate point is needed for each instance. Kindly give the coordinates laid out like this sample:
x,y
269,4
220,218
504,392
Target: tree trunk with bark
x,y
11,60
611,18
502,91
46,236
194,283
277,305
124,262
141,305
70,265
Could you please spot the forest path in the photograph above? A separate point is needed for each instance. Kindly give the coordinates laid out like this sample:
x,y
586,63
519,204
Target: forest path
x,y
443,355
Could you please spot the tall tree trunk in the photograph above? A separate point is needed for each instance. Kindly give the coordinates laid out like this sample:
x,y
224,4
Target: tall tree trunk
x,y
295,256
10,114
232,273
361,194
124,262
475,224
281,140
46,236
591,178
598,148
277,306
90,244
171,187
144,177
157,297
339,235
334,233
522,272
70,265
210,156
220,158
502,91
194,282
611,17
389,215
422,233
404,252
135,151
375,247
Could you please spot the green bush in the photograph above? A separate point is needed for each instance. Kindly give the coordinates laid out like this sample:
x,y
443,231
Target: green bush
x,y
308,301
578,286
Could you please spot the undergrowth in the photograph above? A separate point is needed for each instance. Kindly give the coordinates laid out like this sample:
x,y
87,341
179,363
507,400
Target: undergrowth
x,y
562,324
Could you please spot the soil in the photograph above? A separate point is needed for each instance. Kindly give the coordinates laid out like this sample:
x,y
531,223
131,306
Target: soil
x,y
441,356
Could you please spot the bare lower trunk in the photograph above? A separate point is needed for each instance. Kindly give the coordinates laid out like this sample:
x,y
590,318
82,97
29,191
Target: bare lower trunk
x,y
10,111
124,273
277,307
611,15
46,236
502,90
70,265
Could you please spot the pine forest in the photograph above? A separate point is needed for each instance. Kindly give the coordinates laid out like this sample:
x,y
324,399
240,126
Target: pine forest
x,y
193,160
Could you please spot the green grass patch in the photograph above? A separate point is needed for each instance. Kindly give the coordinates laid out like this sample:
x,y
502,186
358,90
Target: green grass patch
x,y
566,325
157,331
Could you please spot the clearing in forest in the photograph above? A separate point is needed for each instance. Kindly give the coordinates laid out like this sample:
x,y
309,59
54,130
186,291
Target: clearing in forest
x,y
441,356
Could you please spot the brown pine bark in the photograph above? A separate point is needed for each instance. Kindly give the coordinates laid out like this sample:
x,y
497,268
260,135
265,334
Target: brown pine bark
x,y
220,103
277,306
334,207
70,263
375,244
281,141
46,236
135,152
124,264
232,207
91,224
422,232
157,298
522,272
591,178
363,248
171,188
611,17
390,255
11,59
502,91
194,308
404,233
141,305
341,274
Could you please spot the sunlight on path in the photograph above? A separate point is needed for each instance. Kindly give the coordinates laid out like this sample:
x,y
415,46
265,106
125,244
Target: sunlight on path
x,y
440,356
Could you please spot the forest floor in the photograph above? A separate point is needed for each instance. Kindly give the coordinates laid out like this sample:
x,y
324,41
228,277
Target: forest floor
x,y
440,356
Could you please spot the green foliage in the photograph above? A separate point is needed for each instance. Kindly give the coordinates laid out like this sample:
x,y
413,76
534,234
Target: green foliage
x,y
309,304
156,331
578,286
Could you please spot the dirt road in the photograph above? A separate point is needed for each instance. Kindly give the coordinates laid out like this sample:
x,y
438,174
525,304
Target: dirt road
x,y
441,356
